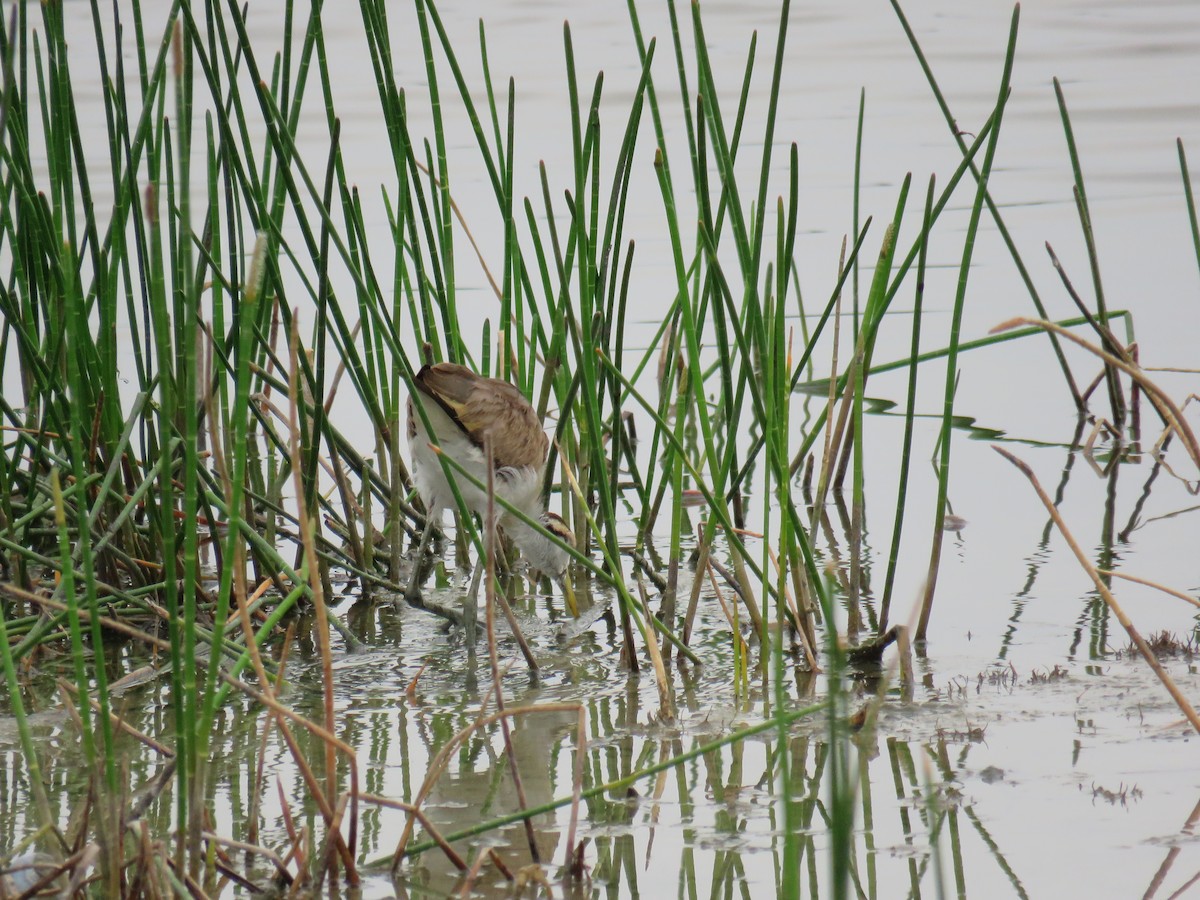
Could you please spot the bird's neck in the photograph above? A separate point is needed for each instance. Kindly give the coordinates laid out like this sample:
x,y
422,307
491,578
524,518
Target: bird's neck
x,y
518,530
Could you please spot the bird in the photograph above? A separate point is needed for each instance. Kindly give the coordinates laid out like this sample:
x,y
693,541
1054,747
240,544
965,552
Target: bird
x,y
465,410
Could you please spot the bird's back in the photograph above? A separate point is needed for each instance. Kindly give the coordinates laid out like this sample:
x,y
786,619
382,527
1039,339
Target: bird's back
x,y
464,410
487,408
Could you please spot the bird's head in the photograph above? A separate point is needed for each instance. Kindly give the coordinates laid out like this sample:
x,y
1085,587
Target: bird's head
x,y
544,554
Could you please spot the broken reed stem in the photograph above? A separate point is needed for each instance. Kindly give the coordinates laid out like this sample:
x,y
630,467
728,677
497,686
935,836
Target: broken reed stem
x,y
246,847
740,645
470,877
1101,328
689,620
1181,701
1170,414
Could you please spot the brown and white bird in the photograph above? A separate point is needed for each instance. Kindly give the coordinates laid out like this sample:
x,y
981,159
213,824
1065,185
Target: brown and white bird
x,y
465,410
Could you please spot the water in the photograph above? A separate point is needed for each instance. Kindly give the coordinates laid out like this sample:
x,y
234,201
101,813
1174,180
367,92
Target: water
x,y
1060,764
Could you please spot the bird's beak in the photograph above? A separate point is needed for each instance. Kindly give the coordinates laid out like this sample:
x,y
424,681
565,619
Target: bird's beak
x,y
569,593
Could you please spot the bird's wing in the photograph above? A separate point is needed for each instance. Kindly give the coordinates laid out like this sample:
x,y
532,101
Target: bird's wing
x,y
488,407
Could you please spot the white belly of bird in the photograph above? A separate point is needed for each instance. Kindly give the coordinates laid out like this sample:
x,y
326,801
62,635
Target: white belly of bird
x,y
520,486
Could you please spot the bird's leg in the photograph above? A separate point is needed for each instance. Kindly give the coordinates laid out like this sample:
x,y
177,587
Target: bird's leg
x,y
506,552
412,593
470,610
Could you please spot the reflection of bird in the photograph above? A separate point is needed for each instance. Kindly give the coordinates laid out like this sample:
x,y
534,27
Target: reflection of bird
x,y
538,742
465,410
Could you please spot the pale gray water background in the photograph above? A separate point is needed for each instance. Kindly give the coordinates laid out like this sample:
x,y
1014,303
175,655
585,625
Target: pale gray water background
x,y
1026,792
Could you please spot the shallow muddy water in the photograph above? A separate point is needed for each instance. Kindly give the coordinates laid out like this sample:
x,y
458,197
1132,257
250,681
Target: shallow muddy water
x,y
1039,756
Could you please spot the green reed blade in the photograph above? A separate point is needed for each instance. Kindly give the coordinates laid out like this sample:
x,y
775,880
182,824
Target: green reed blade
x,y
956,323
1191,200
1115,393
993,210
910,411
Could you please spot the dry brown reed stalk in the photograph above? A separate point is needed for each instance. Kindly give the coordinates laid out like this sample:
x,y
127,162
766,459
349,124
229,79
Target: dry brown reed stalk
x,y
738,580
267,698
433,771
702,554
1135,397
289,822
653,650
265,737
806,645
49,873
351,512
519,636
576,790
829,450
411,691
316,585
1181,701
226,868
741,577
499,863
904,655
490,527
1187,598
139,736
836,440
84,615
178,883
142,884
295,837
1169,861
848,436
251,848
647,568
327,853
472,875
254,603
79,866
469,879
1170,414
301,853
730,613
441,760
284,418
466,230
435,835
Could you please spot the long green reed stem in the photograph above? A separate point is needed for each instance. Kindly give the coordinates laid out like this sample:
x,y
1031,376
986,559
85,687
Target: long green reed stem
x,y
955,325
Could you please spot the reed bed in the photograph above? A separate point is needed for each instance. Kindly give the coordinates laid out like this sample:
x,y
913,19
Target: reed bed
x,y
174,344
